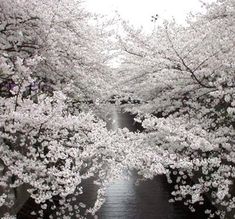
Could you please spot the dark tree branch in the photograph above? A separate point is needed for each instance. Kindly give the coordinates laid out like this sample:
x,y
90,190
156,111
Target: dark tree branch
x,y
186,66
132,53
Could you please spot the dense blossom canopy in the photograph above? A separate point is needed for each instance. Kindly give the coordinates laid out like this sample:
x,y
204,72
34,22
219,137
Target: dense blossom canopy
x,y
51,56
56,56
184,78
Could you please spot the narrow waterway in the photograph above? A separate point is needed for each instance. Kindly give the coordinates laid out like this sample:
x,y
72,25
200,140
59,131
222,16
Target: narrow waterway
x,y
148,199
125,199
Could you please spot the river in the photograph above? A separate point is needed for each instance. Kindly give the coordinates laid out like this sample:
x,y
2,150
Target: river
x,y
125,199
149,199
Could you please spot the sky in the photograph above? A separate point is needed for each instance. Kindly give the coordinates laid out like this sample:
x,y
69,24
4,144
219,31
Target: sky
x,y
139,12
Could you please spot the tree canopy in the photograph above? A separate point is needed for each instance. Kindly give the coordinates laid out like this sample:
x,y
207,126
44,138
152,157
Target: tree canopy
x,y
56,56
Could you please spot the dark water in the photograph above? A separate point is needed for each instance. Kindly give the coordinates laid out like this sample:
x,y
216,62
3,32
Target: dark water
x,y
125,200
149,199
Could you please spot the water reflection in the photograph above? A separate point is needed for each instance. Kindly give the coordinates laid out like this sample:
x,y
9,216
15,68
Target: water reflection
x,y
121,200
120,119
148,199
125,199
114,120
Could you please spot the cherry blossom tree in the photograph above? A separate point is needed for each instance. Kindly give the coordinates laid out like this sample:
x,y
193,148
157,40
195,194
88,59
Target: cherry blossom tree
x,y
55,55
184,77
52,55
73,44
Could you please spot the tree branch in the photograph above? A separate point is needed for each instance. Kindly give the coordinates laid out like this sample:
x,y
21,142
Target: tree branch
x,y
186,66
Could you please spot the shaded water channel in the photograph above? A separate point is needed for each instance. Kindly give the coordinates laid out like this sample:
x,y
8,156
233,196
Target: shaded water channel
x,y
147,200
125,199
